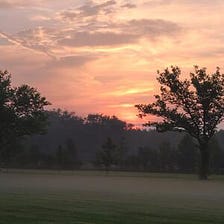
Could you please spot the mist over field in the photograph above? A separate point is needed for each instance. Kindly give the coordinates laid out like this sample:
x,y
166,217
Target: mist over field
x,y
96,197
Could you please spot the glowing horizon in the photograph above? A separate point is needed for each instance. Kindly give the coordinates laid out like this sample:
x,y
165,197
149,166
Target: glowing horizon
x,y
95,56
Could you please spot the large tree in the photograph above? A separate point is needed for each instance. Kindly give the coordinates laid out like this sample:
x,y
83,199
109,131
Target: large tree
x,y
194,105
21,111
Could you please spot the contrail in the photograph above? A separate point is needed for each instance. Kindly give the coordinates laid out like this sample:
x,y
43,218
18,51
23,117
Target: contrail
x,y
10,39
23,45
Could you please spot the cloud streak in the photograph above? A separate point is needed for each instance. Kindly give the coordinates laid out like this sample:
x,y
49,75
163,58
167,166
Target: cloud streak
x,y
90,9
12,4
49,40
26,45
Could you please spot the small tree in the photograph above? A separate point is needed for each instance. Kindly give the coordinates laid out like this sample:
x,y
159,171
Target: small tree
x,y
148,158
21,111
195,106
60,157
186,154
71,151
167,157
121,150
107,156
217,156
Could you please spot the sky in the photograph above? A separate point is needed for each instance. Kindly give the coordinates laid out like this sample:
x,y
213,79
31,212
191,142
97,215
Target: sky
x,y
95,56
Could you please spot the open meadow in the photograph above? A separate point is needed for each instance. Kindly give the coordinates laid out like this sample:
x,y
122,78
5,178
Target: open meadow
x,y
44,197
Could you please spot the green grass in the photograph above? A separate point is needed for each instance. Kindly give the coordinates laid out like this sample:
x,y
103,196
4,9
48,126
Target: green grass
x,y
114,198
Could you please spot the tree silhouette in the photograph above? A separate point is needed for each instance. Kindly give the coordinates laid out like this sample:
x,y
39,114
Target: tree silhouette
x,y
108,155
71,151
122,150
167,157
187,154
195,106
21,111
60,157
217,155
147,158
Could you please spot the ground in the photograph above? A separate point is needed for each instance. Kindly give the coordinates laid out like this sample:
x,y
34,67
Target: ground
x,y
46,197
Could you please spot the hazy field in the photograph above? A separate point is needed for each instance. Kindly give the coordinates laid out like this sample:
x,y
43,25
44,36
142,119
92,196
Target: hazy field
x,y
94,197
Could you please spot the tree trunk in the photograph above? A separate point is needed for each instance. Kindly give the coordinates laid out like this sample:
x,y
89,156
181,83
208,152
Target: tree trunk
x,y
204,164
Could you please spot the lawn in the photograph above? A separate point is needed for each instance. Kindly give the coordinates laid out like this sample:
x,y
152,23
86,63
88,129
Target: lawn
x,y
116,198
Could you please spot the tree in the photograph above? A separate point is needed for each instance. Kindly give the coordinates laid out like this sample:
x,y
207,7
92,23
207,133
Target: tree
x,y
147,158
108,155
21,111
187,154
122,150
9,153
72,155
167,157
194,105
217,155
60,157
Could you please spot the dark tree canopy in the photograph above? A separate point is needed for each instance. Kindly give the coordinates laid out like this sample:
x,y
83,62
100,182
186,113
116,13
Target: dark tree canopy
x,y
21,110
194,105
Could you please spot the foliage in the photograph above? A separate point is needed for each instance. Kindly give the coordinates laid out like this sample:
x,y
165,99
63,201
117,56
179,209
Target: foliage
x,y
194,105
80,143
21,111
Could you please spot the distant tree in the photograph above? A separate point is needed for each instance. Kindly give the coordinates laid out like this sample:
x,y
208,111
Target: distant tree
x,y
65,117
9,153
66,156
60,157
122,150
195,106
167,157
109,122
147,158
107,156
34,157
217,156
187,154
132,162
71,152
21,111
143,157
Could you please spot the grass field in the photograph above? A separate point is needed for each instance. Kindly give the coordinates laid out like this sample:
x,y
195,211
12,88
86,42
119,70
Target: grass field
x,y
28,197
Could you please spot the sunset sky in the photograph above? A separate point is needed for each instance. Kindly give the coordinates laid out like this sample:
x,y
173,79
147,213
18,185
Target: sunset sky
x,y
95,56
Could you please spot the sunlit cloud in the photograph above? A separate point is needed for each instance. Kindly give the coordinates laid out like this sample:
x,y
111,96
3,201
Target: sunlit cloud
x,y
40,18
7,4
130,91
122,105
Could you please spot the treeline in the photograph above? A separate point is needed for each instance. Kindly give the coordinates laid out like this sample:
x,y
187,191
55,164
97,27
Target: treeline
x,y
105,142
